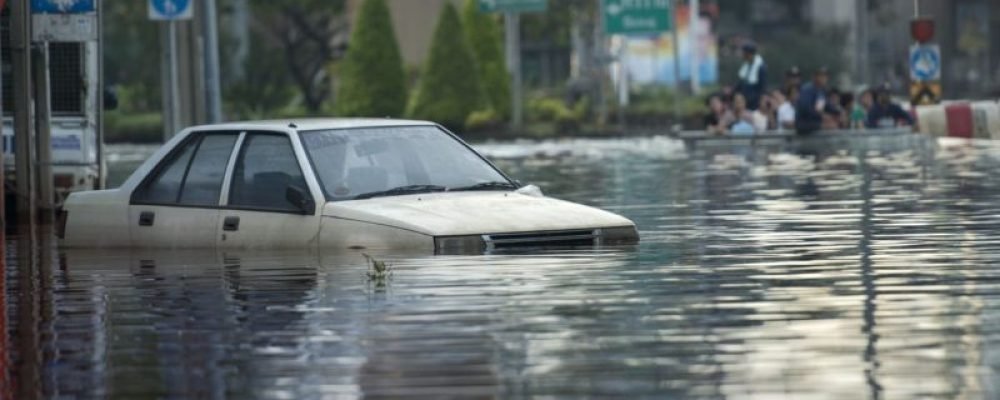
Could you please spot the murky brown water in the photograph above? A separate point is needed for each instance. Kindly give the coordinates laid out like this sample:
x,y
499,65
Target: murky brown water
x,y
856,268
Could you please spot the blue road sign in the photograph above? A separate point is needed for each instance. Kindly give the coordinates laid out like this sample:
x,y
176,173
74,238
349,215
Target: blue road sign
x,y
925,62
167,10
62,6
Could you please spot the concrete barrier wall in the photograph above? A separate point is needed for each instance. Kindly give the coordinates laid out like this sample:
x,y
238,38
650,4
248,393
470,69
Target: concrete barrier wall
x,y
979,120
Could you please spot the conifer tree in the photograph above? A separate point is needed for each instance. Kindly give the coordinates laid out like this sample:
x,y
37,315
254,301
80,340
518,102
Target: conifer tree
x,y
372,82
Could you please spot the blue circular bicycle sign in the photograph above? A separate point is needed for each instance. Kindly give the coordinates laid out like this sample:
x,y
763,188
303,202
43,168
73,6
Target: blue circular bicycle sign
x,y
169,9
925,63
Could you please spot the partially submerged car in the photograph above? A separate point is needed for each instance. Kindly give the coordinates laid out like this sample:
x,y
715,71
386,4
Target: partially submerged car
x,y
332,184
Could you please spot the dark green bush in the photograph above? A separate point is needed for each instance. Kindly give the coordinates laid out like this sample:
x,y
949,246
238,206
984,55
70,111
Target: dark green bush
x,y
133,128
449,88
372,81
484,35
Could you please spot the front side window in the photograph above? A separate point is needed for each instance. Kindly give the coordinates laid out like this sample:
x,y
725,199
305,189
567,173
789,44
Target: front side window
x,y
265,169
193,175
355,163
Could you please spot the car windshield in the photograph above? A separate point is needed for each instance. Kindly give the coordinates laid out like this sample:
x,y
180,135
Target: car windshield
x,y
388,161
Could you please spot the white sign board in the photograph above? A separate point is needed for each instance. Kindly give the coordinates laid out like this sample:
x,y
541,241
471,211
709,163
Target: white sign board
x,y
925,62
63,27
170,10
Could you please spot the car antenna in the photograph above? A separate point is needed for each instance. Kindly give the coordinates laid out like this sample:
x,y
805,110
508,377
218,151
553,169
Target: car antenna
x,y
292,125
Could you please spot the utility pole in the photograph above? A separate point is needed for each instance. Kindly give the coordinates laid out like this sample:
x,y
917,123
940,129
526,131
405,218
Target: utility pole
x,y
210,30
20,18
43,134
512,26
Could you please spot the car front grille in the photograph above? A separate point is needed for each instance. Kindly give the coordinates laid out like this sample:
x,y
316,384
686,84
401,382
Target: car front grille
x,y
579,237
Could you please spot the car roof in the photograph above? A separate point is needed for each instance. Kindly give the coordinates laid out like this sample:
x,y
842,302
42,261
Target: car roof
x,y
310,124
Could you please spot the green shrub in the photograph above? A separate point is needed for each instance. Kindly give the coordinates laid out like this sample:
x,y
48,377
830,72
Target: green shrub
x,y
449,89
545,109
483,33
372,80
133,128
483,120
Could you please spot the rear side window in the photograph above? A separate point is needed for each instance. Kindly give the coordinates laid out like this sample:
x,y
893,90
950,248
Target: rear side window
x,y
264,170
193,176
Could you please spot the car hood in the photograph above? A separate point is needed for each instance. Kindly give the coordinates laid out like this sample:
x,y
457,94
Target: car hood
x,y
474,213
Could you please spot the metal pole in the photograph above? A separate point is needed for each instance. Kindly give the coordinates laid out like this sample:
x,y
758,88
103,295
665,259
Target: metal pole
x,y
512,25
43,134
20,18
171,102
916,8
677,69
693,32
213,94
99,110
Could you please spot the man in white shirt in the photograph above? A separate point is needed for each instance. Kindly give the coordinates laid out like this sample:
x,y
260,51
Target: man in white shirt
x,y
786,111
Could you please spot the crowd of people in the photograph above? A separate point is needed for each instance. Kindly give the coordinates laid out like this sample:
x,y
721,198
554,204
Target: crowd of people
x,y
804,107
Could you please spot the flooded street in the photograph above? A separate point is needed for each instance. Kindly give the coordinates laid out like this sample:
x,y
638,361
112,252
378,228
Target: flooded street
x,y
848,268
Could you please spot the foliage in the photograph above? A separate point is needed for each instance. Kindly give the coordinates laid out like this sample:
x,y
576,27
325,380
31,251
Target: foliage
x,y
307,34
483,120
120,127
483,33
130,42
265,86
565,120
372,80
449,89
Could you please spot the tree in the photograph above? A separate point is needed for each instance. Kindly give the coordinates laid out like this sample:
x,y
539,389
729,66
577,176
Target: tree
x,y
307,33
449,89
483,34
373,83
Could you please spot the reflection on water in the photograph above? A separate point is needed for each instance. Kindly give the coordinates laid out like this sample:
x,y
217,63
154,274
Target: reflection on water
x,y
851,268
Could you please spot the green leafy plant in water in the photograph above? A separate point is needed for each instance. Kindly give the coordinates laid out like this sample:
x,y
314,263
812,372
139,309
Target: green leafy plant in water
x,y
378,271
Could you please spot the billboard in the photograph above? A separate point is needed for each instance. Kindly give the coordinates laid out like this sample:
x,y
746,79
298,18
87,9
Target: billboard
x,y
649,59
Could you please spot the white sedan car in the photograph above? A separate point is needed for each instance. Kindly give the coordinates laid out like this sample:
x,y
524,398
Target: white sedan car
x,y
333,184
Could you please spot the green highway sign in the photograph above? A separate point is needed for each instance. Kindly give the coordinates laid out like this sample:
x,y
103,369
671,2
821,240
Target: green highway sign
x,y
517,6
637,16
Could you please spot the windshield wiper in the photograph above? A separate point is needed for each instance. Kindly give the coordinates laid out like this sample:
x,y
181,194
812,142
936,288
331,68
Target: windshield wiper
x,y
485,186
402,190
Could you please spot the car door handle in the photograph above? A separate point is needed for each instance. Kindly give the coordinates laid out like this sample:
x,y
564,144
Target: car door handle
x,y
146,218
231,224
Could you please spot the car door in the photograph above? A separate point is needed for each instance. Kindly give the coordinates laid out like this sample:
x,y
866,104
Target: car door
x,y
177,205
257,211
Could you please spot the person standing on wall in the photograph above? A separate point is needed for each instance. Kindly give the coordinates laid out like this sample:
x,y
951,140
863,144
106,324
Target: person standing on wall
x,y
813,104
753,76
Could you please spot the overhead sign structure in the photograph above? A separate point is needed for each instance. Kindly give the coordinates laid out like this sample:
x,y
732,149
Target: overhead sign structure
x,y
925,62
170,10
63,20
637,16
516,6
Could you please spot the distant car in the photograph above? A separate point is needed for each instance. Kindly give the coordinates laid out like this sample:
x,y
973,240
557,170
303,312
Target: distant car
x,y
331,183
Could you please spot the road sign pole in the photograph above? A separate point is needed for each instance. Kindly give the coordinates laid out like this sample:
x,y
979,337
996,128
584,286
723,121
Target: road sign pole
x,y
171,103
23,128
213,95
512,25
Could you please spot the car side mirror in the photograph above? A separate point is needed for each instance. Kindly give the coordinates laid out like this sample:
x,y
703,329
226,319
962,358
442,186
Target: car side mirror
x,y
300,200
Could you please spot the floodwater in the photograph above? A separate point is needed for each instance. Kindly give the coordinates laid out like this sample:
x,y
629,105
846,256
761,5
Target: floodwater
x,y
847,268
